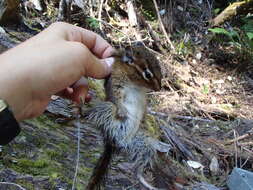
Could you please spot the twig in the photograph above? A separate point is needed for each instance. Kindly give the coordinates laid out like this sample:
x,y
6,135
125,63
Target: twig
x,y
77,124
145,183
14,184
108,24
162,26
245,162
163,115
172,137
100,13
249,151
191,118
250,133
91,8
151,32
235,145
245,143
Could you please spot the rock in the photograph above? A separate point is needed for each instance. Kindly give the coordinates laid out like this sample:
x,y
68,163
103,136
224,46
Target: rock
x,y
9,13
37,5
194,164
204,186
198,55
240,180
214,166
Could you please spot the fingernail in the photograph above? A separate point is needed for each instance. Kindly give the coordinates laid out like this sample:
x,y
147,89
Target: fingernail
x,y
109,61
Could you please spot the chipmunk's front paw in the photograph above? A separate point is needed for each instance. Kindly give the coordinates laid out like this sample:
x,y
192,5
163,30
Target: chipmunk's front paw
x,y
121,114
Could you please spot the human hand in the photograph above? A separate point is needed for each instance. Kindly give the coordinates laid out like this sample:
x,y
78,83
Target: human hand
x,y
54,61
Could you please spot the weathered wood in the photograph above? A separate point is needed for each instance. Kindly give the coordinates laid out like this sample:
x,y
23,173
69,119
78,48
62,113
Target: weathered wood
x,y
61,107
131,13
234,9
5,42
175,140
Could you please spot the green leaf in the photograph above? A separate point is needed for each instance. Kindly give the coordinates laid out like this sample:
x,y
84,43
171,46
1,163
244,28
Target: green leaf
x,y
219,31
216,11
205,89
250,35
94,23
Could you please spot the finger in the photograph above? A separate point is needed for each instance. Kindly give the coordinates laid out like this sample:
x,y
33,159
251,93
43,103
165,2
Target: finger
x,y
99,68
79,94
93,41
71,92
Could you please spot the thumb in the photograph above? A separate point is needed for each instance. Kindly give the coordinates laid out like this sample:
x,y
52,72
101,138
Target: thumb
x,y
100,68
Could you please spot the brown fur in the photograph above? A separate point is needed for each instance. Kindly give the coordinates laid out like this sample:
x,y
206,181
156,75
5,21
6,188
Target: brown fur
x,y
120,117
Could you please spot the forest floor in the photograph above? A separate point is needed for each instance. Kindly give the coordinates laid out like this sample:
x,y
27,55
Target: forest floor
x,y
206,100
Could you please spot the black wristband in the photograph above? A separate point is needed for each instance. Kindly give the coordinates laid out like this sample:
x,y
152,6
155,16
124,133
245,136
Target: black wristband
x,y
9,127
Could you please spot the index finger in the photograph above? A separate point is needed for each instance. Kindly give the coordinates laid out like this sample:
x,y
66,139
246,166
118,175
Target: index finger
x,y
97,45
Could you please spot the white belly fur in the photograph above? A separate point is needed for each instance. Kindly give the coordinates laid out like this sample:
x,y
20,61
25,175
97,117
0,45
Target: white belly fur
x,y
135,104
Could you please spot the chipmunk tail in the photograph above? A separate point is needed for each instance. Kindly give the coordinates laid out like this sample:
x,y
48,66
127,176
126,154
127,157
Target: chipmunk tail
x,y
99,173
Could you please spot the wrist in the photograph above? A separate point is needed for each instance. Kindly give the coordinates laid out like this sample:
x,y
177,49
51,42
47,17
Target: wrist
x,y
11,88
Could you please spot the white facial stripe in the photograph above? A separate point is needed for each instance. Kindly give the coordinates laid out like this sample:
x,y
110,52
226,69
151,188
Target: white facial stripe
x,y
144,76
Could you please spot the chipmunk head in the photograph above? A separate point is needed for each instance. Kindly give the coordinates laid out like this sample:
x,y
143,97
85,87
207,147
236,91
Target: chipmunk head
x,y
145,64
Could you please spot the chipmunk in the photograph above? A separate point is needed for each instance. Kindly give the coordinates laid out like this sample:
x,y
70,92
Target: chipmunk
x,y
120,118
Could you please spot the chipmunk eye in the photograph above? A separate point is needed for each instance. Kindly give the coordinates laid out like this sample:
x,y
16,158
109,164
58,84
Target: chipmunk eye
x,y
147,75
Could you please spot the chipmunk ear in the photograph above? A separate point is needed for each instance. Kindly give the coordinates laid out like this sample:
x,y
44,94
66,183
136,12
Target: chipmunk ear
x,y
127,56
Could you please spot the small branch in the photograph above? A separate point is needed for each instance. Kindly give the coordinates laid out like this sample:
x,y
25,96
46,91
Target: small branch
x,y
250,133
91,8
235,145
78,125
163,115
241,7
172,137
152,33
100,13
245,143
247,150
145,183
162,26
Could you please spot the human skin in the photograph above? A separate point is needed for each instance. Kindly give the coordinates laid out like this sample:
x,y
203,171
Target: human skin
x,y
52,62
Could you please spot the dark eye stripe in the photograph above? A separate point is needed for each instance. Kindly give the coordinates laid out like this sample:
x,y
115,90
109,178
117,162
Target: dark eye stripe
x,y
147,74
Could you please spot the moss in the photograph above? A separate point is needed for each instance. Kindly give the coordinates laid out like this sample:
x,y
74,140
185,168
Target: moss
x,y
152,126
85,172
43,121
93,155
64,147
26,184
53,154
24,163
227,107
41,166
98,87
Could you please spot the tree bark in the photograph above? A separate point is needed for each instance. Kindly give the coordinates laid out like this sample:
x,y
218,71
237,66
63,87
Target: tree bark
x,y
242,7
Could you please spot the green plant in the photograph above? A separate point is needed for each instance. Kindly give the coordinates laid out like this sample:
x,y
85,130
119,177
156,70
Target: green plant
x,y
240,37
93,22
205,89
